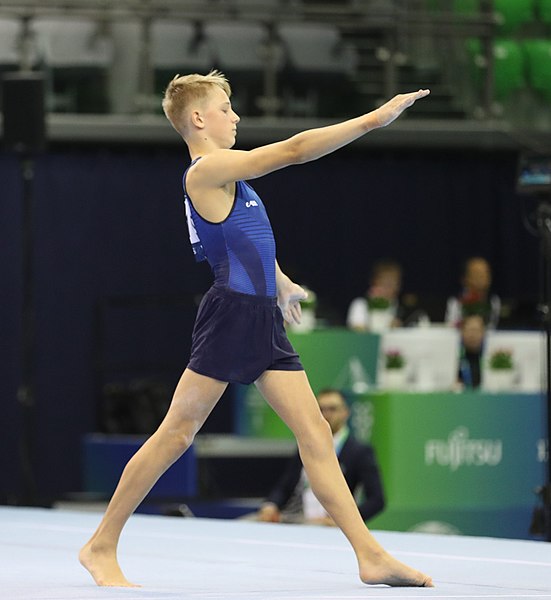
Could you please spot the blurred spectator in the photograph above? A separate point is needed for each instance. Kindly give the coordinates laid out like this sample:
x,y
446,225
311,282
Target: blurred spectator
x,y
385,284
475,298
292,499
473,331
383,297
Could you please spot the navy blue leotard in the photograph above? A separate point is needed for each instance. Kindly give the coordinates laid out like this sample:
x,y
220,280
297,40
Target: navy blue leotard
x,y
240,249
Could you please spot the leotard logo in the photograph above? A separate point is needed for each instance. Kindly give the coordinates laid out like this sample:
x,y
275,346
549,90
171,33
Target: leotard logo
x,y
250,203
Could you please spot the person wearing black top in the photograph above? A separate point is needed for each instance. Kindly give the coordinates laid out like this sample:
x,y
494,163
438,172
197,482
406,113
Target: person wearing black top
x,y
473,330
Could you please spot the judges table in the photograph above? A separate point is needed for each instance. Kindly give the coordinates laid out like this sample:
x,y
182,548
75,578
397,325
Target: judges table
x,y
451,462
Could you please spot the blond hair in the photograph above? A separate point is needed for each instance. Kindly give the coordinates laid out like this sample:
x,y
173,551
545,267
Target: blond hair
x,y
185,89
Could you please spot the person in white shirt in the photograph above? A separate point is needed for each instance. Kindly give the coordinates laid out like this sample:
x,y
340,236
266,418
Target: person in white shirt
x,y
385,283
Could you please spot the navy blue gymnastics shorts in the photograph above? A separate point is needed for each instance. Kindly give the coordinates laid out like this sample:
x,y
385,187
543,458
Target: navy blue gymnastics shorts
x,y
237,337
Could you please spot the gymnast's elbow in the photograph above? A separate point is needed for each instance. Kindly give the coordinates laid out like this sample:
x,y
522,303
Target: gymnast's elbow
x,y
296,151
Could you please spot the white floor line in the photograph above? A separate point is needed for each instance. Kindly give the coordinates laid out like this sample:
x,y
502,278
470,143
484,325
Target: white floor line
x,y
509,561
386,596
370,596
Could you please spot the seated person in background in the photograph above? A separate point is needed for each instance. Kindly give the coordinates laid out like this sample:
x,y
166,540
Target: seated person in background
x,y
473,330
476,297
385,282
358,465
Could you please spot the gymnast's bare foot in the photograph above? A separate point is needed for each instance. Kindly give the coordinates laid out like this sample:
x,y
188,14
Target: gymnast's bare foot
x,y
385,569
103,566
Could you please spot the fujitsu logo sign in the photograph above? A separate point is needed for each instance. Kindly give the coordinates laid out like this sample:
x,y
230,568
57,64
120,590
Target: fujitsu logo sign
x,y
461,451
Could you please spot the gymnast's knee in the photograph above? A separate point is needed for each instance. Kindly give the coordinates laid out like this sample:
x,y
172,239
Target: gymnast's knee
x,y
315,436
179,436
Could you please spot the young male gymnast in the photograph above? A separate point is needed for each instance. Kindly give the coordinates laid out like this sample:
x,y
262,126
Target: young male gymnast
x,y
239,334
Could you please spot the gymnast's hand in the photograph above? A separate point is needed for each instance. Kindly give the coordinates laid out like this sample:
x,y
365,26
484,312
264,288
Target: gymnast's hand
x,y
392,109
288,300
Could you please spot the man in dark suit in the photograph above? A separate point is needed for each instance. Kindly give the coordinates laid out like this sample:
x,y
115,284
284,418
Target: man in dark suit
x,y
292,499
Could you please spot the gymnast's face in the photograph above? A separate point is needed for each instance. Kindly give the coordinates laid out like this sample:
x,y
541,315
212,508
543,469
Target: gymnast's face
x,y
220,119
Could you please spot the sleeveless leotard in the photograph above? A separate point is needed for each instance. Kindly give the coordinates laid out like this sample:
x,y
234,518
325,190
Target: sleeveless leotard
x,y
241,248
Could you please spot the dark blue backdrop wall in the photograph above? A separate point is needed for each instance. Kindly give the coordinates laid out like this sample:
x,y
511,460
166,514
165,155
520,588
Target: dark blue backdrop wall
x,y
110,222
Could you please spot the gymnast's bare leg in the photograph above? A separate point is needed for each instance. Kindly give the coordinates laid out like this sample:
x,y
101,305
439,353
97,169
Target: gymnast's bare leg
x,y
289,393
193,400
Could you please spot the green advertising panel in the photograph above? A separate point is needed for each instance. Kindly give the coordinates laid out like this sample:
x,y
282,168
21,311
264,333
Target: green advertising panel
x,y
458,459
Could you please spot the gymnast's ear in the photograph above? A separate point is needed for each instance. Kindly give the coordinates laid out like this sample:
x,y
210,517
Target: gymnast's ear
x,y
197,119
